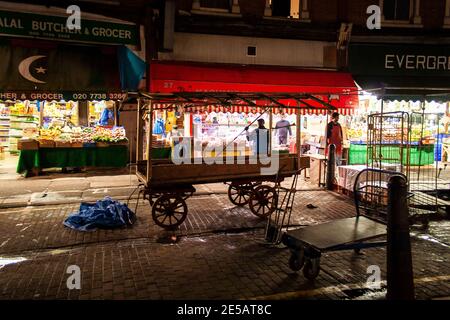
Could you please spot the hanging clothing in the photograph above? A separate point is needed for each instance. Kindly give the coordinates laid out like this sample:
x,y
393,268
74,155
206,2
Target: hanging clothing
x,y
159,127
107,117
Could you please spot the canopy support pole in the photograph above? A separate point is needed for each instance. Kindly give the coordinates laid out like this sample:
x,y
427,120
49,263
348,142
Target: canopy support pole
x,y
149,141
298,139
139,129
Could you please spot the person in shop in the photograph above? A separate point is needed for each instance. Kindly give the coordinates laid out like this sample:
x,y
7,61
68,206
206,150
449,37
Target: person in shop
x,y
159,126
283,130
174,137
335,136
259,138
107,117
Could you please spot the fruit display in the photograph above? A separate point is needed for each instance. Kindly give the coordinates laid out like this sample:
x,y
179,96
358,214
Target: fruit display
x,y
114,135
78,136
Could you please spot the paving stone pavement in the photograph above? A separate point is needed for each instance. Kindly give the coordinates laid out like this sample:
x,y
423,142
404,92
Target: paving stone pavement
x,y
237,266
32,228
220,254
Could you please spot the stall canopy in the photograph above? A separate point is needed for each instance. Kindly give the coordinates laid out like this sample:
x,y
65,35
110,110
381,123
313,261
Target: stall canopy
x,y
402,71
44,70
336,88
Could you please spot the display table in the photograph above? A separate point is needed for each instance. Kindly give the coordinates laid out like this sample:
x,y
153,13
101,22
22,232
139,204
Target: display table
x,y
112,156
317,169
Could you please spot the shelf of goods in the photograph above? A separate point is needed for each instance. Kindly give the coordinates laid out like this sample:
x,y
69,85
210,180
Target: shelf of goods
x,y
18,123
57,113
4,131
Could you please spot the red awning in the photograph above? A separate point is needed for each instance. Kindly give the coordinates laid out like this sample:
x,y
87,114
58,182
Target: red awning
x,y
337,88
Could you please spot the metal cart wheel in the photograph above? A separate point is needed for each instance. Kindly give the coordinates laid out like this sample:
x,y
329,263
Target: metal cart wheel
x,y
297,260
169,210
239,194
263,201
312,268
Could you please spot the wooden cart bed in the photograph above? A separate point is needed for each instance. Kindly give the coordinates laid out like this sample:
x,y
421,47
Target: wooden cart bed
x,y
164,172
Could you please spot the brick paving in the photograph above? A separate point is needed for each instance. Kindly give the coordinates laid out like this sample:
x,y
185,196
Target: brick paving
x,y
220,255
235,266
32,228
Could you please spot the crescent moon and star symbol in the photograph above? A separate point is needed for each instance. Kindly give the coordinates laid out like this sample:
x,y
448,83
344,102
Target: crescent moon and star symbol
x,y
24,69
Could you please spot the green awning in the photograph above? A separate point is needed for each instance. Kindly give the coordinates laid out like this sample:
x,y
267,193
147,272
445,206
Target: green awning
x,y
406,88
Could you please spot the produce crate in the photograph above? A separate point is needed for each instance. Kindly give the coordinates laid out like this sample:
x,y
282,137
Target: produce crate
x,y
120,143
63,144
89,145
102,144
46,143
76,145
27,145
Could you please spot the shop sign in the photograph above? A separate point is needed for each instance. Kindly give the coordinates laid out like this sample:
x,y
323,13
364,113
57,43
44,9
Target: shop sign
x,y
54,27
65,95
399,60
30,66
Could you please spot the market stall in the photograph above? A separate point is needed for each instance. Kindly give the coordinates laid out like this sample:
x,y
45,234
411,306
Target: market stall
x,y
168,183
73,147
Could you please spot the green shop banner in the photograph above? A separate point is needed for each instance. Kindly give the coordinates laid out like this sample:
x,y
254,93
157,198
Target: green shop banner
x,y
31,66
54,27
62,95
399,60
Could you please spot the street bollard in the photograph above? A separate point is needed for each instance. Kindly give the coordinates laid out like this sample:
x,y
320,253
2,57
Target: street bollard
x,y
400,278
331,166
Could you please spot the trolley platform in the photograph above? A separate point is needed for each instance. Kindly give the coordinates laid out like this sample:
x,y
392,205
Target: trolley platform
x,y
308,243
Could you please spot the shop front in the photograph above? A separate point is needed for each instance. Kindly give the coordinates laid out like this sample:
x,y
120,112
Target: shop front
x,y
220,125
58,101
402,121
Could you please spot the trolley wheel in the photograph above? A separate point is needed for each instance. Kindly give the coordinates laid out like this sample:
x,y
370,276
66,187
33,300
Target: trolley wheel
x,y
312,268
263,201
169,211
297,260
239,195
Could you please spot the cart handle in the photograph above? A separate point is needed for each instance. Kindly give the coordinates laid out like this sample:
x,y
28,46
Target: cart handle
x,y
355,189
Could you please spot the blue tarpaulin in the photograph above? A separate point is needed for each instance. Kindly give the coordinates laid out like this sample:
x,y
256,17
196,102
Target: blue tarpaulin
x,y
104,214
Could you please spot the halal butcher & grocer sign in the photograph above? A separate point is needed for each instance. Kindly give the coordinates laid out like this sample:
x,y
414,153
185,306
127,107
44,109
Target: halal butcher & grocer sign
x,y
54,27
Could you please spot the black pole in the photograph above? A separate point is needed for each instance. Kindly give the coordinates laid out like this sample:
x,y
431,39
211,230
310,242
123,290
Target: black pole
x,y
331,166
400,278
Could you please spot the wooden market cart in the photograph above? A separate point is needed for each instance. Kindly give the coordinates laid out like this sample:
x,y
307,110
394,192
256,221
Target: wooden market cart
x,y
167,185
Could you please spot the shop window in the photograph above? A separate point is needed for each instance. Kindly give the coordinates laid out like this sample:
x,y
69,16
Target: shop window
x,y
216,4
397,10
251,51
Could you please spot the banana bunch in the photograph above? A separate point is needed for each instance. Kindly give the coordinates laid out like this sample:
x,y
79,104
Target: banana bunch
x,y
50,134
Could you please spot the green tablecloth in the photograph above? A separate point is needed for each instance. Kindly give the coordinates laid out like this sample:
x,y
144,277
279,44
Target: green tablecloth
x,y
112,156
419,155
161,153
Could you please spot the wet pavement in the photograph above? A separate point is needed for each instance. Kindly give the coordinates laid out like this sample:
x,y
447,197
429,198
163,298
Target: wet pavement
x,y
219,252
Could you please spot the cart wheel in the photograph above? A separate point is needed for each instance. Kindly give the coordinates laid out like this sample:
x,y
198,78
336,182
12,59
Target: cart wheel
x,y
263,201
169,211
297,260
239,195
312,268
